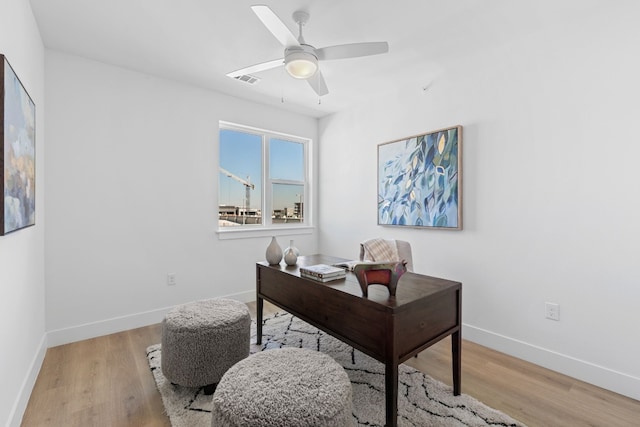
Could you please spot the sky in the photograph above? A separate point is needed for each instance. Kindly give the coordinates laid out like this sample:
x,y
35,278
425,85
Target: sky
x,y
241,154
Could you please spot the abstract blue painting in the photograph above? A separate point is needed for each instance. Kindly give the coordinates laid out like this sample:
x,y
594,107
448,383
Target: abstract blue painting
x,y
17,152
419,180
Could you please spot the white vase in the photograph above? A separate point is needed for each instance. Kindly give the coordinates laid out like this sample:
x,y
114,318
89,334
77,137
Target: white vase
x,y
291,254
274,252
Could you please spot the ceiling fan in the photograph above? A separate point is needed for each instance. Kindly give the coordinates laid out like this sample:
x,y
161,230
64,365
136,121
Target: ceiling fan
x,y
300,58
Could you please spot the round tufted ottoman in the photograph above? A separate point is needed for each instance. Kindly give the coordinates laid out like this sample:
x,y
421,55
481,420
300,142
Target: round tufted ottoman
x,y
287,387
202,339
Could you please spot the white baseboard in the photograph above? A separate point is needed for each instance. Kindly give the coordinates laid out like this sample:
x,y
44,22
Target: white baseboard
x,y
600,376
247,296
20,405
123,323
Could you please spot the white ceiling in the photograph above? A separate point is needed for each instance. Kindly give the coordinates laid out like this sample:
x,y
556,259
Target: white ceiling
x,y
199,41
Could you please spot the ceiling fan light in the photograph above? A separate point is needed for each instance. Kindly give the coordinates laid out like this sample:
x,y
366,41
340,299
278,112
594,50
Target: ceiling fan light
x,y
301,65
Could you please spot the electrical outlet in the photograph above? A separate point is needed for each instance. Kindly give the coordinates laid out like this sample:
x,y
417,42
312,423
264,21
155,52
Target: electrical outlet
x,y
171,279
552,311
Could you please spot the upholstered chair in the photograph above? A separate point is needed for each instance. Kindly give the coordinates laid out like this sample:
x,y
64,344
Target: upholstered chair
x,y
402,247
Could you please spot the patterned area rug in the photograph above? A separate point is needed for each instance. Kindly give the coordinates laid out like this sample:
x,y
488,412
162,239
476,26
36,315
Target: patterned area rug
x,y
422,401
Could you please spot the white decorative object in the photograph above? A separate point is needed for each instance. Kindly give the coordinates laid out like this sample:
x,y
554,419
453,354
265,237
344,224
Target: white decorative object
x,y
274,252
291,254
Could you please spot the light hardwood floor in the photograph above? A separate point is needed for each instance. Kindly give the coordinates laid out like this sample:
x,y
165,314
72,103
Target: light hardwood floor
x,y
106,381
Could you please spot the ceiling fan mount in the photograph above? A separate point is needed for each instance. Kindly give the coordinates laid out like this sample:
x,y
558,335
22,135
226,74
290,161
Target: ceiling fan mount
x,y
300,17
301,59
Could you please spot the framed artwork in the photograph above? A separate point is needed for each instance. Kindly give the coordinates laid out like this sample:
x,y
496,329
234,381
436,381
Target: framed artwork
x,y
17,152
420,181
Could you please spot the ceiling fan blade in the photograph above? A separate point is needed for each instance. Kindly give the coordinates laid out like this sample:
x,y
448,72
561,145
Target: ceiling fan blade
x,y
257,68
318,84
352,50
275,25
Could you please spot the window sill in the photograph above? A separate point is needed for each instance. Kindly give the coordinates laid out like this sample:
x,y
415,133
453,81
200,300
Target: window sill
x,y
246,233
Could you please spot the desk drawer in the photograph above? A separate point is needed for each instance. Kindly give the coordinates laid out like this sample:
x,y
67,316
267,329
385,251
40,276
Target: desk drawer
x,y
424,322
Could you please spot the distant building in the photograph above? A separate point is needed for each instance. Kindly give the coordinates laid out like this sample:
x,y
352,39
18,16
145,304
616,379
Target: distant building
x,y
248,212
226,210
234,215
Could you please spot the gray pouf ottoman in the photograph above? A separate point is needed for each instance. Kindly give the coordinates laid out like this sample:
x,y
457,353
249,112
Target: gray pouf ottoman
x,y
287,387
202,339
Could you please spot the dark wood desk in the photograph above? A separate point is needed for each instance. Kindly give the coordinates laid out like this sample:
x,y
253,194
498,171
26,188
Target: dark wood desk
x,y
389,329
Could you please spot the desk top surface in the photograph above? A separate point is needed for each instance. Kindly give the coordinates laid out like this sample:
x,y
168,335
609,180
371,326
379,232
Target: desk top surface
x,y
411,286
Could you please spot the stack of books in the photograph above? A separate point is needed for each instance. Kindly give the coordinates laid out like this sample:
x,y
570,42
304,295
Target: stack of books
x,y
322,272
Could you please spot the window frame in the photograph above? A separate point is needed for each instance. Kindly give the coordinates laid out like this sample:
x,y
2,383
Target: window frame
x,y
267,227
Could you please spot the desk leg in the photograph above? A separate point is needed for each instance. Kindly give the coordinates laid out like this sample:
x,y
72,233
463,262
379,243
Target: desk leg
x,y
391,394
259,307
456,359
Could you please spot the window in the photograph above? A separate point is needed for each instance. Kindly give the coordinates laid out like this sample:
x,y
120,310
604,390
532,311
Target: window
x,y
263,179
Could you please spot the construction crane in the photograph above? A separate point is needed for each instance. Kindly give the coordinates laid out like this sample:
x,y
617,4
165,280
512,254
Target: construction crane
x,y
247,185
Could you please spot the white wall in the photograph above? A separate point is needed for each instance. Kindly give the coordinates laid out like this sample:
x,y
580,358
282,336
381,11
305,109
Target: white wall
x,y
131,196
22,327
550,171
